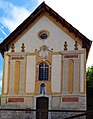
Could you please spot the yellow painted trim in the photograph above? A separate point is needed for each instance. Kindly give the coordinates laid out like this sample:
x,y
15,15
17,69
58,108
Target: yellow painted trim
x,y
48,60
55,53
31,54
70,75
8,74
35,53
3,76
5,54
17,77
4,94
3,82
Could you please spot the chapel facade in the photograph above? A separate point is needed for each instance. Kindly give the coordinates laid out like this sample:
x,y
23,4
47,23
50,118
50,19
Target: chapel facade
x,y
45,63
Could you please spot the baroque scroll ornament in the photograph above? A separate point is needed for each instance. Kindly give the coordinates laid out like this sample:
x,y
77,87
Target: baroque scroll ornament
x,y
43,51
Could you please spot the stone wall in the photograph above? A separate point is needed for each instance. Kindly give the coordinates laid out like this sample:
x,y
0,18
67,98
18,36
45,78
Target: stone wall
x,y
63,115
61,102
15,114
69,102
31,115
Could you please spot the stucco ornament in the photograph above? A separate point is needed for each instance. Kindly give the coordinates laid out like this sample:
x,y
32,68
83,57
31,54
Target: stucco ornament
x,y
44,51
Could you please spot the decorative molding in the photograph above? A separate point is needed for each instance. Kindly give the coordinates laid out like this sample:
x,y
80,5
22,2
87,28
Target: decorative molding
x,y
15,99
37,69
43,51
65,45
43,35
17,53
72,52
12,48
23,48
70,99
76,46
71,56
17,58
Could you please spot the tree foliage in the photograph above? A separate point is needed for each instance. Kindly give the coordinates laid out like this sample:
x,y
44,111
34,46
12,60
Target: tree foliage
x,y
89,76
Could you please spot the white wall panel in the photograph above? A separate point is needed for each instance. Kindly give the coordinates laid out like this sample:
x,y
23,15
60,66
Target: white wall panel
x,y
56,73
30,74
82,74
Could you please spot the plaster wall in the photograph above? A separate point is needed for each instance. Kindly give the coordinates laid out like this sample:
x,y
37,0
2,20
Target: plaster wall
x,y
55,40
30,74
56,73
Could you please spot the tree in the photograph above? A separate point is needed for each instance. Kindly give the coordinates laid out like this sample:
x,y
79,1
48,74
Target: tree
x,y
89,78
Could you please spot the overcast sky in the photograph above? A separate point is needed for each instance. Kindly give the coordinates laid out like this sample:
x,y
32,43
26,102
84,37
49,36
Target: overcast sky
x,y
79,13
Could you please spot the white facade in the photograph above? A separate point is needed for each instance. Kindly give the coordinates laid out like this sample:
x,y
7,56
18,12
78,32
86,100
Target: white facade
x,y
48,66
56,39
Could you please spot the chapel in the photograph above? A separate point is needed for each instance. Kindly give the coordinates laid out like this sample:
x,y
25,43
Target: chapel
x,y
45,63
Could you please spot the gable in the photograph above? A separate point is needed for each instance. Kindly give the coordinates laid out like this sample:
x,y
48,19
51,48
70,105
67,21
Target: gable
x,y
56,38
41,10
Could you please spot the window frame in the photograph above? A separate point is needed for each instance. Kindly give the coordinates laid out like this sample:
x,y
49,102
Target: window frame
x,y
49,70
43,71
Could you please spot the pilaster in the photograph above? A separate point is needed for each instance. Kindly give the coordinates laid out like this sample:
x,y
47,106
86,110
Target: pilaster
x,y
11,81
22,76
82,73
65,77
76,77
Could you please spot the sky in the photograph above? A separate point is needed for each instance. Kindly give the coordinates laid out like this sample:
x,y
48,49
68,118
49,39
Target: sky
x,y
79,13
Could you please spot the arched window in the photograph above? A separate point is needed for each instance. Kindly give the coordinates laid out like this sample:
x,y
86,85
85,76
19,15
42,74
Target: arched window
x,y
43,71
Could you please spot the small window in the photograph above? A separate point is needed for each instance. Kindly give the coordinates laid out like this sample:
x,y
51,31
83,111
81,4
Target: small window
x,y
43,35
43,71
